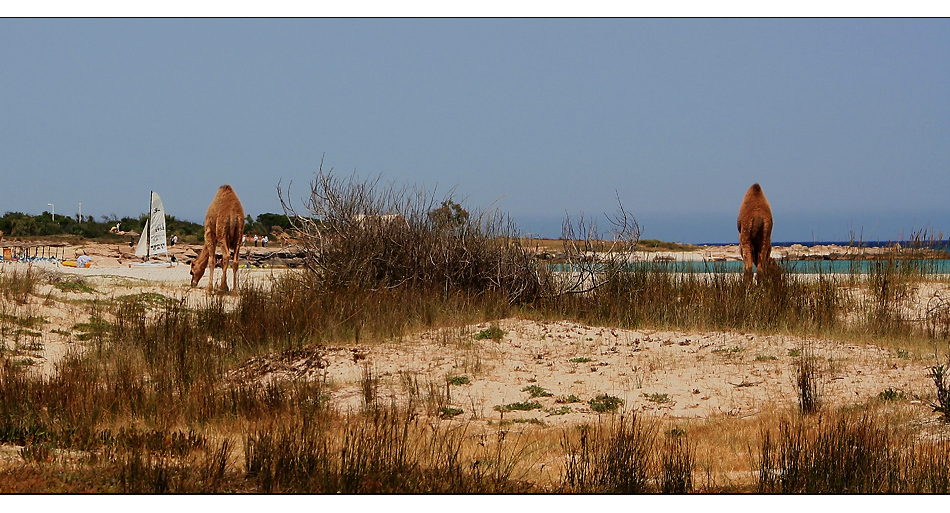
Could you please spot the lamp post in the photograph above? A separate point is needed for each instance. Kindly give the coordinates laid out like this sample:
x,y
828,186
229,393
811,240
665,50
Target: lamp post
x,y
53,213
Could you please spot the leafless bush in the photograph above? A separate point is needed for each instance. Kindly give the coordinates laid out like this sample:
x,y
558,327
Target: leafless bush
x,y
594,258
937,318
367,235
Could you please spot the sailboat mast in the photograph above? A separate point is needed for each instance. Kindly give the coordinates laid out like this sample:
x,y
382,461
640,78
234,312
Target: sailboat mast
x,y
148,250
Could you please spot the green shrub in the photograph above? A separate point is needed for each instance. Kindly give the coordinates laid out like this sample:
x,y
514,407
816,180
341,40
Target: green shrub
x,y
536,391
523,406
604,403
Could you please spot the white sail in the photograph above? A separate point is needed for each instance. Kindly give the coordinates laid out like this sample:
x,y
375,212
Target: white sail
x,y
157,243
153,241
142,248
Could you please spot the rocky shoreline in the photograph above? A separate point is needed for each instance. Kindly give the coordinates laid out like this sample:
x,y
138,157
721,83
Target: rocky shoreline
x,y
294,255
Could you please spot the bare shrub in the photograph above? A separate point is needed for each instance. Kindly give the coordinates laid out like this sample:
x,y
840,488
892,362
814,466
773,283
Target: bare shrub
x,y
937,318
594,258
367,235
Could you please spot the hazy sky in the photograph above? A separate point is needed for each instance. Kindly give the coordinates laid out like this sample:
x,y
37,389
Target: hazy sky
x,y
844,123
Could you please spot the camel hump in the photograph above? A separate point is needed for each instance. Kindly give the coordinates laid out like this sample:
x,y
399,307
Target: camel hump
x,y
754,197
227,195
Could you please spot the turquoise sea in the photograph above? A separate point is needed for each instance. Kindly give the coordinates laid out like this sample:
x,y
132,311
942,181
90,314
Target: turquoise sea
x,y
791,266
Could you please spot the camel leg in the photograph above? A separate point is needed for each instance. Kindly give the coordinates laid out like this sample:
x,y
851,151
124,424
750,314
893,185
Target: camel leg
x,y
211,261
234,267
765,250
745,250
211,275
226,254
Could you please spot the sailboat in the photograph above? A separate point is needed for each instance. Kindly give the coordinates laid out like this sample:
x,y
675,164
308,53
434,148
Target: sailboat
x,y
153,241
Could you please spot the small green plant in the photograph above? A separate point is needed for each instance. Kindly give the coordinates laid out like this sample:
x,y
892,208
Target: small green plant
x,y
96,328
902,354
730,351
657,398
22,363
891,395
30,321
28,333
581,359
449,412
147,300
492,333
458,380
537,422
508,422
765,358
32,345
794,352
569,399
604,403
75,284
536,391
523,406
563,410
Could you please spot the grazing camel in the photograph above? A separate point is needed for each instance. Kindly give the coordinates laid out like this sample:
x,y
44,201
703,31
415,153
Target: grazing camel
x,y
224,224
755,232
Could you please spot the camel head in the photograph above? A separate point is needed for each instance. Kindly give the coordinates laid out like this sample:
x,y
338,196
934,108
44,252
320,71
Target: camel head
x,y
194,276
197,270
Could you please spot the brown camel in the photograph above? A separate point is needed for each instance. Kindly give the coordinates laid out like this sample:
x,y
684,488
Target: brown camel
x,y
755,232
224,224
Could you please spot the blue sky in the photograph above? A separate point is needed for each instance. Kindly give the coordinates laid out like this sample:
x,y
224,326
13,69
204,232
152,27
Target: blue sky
x,y
844,123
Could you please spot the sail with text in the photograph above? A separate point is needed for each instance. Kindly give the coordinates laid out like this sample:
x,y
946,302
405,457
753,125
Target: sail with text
x,y
153,241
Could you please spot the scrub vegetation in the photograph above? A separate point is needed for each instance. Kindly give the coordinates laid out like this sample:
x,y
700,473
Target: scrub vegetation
x,y
153,404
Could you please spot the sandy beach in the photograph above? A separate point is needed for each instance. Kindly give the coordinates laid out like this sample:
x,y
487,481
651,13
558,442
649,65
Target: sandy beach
x,y
662,373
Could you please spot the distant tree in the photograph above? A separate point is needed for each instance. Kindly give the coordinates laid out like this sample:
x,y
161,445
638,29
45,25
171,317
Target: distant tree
x,y
130,224
23,227
252,227
270,220
450,216
6,222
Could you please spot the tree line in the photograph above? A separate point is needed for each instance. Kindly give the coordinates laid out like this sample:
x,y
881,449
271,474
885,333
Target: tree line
x,y
20,225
